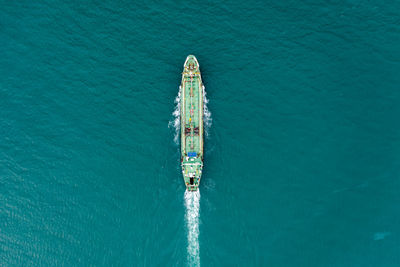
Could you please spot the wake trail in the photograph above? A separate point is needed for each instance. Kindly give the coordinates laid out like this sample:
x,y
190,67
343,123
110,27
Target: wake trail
x,y
207,120
176,121
192,203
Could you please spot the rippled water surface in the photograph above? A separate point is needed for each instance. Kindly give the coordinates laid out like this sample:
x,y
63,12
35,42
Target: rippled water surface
x,y
302,159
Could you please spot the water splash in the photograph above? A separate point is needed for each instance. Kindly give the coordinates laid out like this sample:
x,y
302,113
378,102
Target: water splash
x,y
192,203
176,121
207,114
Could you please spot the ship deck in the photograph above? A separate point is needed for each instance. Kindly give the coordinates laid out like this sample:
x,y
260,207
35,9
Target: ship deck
x,y
192,114
191,124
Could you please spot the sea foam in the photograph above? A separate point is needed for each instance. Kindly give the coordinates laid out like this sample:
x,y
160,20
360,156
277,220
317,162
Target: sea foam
x,y
175,122
192,203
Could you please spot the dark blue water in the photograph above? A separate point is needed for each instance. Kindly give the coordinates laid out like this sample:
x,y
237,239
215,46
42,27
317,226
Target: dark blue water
x,y
302,163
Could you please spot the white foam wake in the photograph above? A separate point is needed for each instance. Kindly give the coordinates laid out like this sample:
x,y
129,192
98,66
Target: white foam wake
x,y
207,114
176,121
192,203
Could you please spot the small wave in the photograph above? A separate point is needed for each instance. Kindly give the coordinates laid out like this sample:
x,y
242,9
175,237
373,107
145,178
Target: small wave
x,y
176,120
381,235
192,203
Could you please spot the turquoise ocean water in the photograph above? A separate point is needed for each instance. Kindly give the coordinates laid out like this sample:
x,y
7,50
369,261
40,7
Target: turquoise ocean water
x,y
302,164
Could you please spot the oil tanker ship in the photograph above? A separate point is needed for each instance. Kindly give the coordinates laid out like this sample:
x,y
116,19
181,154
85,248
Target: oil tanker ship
x,y
191,123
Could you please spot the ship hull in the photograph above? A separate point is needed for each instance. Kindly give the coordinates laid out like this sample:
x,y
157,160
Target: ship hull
x,y
192,140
